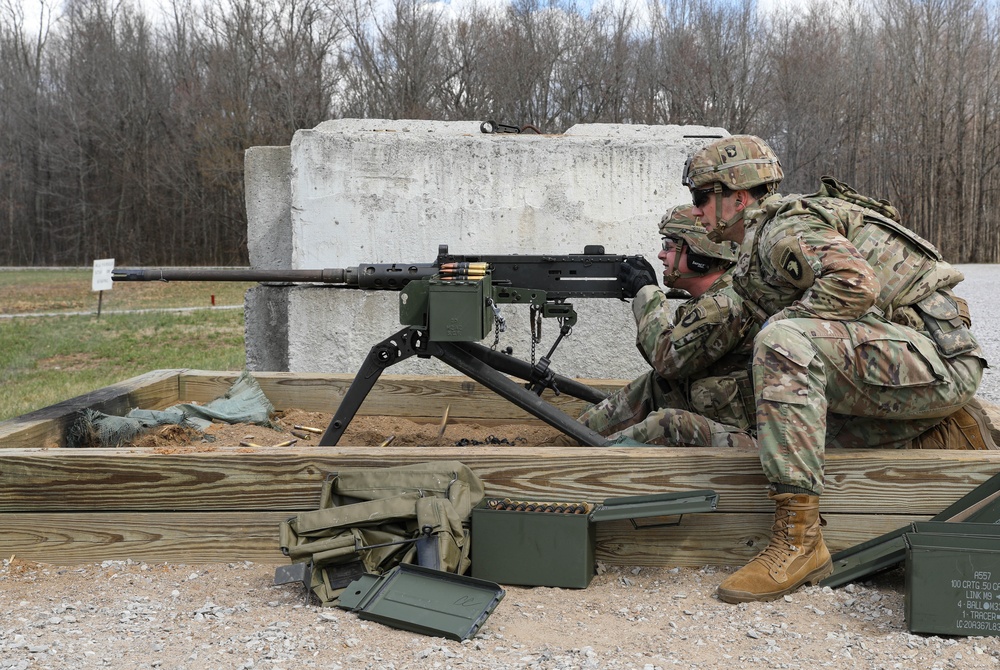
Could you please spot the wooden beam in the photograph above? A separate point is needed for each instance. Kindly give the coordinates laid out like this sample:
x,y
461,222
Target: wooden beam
x,y
224,504
726,538
211,537
393,395
68,538
921,482
47,427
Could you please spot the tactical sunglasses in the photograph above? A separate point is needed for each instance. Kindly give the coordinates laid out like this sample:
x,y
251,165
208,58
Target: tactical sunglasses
x,y
699,196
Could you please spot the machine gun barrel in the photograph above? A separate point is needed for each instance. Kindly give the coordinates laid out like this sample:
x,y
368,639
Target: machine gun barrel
x,y
386,276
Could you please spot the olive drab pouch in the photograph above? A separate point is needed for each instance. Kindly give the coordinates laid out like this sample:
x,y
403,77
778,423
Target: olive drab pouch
x,y
373,519
947,321
727,399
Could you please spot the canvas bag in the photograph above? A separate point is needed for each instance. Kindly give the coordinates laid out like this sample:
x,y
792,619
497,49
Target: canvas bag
x,y
370,519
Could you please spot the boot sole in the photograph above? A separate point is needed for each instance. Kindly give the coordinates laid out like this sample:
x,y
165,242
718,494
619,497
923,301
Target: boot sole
x,y
991,435
814,577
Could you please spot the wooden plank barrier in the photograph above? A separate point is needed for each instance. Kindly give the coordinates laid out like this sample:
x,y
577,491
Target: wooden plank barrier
x,y
66,506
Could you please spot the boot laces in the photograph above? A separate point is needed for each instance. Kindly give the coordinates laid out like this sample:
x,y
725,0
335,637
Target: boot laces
x,y
780,549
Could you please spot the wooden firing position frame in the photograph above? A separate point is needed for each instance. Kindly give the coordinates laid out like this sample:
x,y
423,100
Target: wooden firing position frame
x,y
67,506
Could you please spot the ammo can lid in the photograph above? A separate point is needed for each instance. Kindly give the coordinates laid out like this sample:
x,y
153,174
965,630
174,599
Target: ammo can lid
x,y
658,504
981,505
422,600
952,535
954,528
958,542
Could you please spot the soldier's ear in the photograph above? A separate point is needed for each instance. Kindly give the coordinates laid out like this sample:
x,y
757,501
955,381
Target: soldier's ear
x,y
742,200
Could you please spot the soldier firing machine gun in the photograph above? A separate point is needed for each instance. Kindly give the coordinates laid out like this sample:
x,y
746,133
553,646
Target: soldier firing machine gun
x,y
446,307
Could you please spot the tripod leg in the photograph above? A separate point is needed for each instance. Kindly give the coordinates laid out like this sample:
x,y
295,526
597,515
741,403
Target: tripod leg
x,y
522,369
392,350
457,357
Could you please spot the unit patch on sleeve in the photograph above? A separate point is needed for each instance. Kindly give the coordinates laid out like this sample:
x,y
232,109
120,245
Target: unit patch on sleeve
x,y
788,259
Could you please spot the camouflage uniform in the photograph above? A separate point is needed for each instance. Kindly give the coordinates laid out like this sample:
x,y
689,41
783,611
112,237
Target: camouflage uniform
x,y
860,324
862,343
699,392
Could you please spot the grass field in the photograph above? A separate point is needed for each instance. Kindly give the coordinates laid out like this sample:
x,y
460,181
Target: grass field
x,y
46,359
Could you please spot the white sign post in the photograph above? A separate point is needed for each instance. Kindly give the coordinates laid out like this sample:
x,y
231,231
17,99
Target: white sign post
x,y
102,281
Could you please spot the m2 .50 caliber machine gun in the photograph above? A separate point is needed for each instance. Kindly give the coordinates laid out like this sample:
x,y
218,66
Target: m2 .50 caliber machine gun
x,y
447,307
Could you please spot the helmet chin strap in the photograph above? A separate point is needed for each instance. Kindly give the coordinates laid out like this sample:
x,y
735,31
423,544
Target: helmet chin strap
x,y
682,248
721,225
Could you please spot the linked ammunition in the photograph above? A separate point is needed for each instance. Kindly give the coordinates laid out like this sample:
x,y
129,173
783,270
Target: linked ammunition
x,y
480,267
508,505
463,275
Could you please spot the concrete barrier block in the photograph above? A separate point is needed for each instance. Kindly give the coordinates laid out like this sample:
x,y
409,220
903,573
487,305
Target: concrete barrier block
x,y
370,190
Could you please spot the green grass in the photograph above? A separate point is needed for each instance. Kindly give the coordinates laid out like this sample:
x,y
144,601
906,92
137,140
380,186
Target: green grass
x,y
44,360
32,291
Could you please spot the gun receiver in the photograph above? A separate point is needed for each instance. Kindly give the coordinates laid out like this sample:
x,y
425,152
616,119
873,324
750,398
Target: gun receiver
x,y
446,307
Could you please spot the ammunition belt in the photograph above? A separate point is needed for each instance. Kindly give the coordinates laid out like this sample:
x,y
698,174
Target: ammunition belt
x,y
508,505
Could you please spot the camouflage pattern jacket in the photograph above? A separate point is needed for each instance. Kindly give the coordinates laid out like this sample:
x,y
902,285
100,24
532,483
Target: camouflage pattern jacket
x,y
837,255
823,256
710,336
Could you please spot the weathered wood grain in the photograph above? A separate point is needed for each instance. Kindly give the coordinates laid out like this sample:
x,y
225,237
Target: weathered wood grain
x,y
861,481
47,427
209,537
68,538
394,395
726,538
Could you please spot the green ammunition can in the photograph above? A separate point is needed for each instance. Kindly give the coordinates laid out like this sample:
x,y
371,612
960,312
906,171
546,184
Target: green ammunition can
x,y
545,548
457,310
953,578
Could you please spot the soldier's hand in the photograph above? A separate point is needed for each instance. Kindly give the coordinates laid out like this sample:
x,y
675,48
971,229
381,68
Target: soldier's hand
x,y
635,273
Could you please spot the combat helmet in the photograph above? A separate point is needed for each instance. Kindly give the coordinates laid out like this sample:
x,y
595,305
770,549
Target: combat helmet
x,y
680,225
740,162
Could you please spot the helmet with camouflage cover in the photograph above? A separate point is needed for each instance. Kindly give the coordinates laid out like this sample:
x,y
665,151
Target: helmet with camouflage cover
x,y
740,162
703,255
679,223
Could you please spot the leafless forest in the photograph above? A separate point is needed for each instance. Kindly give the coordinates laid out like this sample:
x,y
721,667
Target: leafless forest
x,y
123,136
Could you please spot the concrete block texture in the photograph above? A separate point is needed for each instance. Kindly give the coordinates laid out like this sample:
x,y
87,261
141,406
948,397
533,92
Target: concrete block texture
x,y
265,328
368,190
269,202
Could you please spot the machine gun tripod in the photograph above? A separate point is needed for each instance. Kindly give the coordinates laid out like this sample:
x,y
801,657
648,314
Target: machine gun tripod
x,y
484,365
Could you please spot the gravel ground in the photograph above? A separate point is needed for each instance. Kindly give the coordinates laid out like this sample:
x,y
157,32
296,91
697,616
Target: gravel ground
x,y
135,615
981,288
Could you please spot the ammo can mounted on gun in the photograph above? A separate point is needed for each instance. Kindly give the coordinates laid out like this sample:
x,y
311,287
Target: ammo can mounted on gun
x,y
446,307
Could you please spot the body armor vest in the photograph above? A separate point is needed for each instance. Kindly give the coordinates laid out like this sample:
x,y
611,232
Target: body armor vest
x,y
908,267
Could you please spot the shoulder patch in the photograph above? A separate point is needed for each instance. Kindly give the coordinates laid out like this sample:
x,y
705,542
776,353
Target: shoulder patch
x,y
690,318
791,265
789,260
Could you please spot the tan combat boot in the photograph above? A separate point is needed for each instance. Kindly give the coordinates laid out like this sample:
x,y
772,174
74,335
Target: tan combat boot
x,y
967,428
796,554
